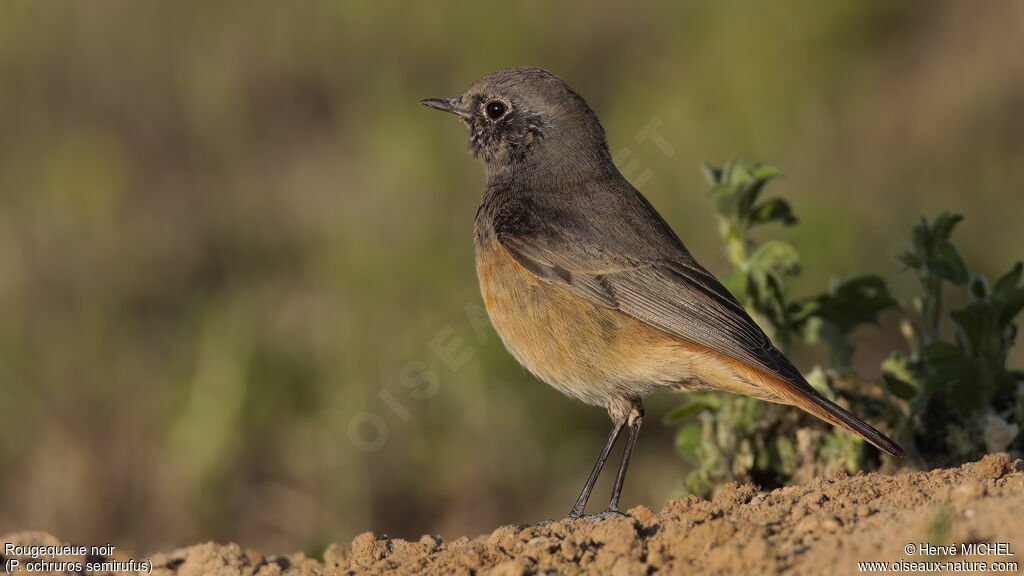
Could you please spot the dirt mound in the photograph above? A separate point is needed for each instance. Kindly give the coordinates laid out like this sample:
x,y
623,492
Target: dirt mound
x,y
826,526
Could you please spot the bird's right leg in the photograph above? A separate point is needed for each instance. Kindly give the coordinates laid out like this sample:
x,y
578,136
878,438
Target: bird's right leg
x,y
581,502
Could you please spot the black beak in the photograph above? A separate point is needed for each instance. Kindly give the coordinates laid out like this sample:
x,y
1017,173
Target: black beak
x,y
453,105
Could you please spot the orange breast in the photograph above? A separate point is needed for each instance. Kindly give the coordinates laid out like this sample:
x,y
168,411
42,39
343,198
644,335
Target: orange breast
x,y
583,349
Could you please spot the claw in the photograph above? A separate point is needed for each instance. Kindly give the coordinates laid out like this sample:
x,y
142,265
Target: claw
x,y
602,516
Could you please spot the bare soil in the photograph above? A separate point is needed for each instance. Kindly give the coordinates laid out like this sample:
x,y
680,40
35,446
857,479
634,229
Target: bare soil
x,y
827,526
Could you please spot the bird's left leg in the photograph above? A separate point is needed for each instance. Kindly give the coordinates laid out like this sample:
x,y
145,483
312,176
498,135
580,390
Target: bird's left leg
x,y
581,503
634,421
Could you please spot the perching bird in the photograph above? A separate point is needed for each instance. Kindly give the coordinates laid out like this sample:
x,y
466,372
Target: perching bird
x,y
587,285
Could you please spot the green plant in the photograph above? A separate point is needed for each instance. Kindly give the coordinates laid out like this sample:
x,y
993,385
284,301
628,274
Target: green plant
x,y
964,400
739,438
952,398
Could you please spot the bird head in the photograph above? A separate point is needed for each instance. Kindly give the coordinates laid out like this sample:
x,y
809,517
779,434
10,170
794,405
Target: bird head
x,y
526,115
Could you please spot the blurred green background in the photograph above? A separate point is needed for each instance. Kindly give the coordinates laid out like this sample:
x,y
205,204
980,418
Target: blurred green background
x,y
232,243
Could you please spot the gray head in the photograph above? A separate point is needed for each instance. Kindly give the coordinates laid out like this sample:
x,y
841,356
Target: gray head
x,y
527,115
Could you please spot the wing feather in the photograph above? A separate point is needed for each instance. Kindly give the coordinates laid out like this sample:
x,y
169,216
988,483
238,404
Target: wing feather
x,y
675,295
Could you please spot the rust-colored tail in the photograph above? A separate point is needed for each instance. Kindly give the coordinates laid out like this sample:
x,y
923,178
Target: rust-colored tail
x,y
804,396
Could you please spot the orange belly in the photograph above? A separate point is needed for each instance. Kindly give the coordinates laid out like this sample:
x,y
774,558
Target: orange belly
x,y
607,358
587,351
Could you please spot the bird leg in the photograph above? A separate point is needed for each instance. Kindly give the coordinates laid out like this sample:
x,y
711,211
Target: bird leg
x,y
636,419
581,503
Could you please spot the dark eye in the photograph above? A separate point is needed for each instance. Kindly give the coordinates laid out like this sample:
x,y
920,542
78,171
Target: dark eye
x,y
495,109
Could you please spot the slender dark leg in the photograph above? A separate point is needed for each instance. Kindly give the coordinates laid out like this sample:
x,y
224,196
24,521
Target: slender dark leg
x,y
581,503
634,430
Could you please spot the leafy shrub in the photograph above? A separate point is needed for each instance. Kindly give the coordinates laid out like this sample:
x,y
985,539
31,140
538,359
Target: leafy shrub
x,y
950,400
964,401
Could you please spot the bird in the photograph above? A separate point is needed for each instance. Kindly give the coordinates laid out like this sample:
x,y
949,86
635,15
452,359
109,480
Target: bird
x,y
587,285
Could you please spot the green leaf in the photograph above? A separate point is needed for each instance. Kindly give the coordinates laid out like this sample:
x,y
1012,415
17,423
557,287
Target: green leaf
x,y
1012,305
1007,282
775,256
724,203
970,323
812,330
688,441
899,388
746,198
853,302
899,366
712,174
942,228
765,172
685,411
738,172
920,237
909,259
948,264
736,282
773,210
694,403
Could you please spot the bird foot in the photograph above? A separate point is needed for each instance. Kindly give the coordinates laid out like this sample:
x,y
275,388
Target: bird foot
x,y
601,516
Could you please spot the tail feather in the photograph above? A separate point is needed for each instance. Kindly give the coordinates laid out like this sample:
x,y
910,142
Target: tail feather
x,y
810,400
827,410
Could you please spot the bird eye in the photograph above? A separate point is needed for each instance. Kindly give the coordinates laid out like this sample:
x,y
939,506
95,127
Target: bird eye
x,y
495,109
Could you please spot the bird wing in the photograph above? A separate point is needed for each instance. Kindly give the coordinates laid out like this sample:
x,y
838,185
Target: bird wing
x,y
676,295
